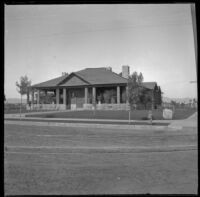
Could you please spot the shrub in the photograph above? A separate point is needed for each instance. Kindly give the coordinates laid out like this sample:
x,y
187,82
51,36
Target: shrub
x,y
49,116
106,96
113,100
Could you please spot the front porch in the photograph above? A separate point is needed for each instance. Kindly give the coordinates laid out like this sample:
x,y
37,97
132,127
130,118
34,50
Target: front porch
x,y
73,98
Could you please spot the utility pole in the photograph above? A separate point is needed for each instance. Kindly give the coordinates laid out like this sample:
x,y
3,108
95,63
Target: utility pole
x,y
193,81
193,15
21,102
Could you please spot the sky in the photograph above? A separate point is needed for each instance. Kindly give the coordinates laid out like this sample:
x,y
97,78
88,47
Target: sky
x,y
42,41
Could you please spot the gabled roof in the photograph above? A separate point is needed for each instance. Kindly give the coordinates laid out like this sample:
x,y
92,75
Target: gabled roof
x,y
50,83
92,76
73,80
89,76
149,85
96,76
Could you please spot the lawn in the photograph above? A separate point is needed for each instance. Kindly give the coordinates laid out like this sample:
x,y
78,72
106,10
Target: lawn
x,y
17,111
14,108
11,110
117,115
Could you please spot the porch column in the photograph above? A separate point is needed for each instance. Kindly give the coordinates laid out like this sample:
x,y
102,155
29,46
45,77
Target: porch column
x,y
118,94
32,96
126,94
94,94
57,96
64,96
86,94
38,96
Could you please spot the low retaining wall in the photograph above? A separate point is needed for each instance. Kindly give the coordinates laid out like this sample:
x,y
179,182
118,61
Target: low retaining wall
x,y
122,106
88,106
73,106
46,107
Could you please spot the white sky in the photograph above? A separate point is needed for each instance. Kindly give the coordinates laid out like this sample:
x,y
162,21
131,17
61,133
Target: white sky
x,y
43,41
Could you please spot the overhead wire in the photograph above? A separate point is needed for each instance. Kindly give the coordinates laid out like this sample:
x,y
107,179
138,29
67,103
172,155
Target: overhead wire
x,y
106,29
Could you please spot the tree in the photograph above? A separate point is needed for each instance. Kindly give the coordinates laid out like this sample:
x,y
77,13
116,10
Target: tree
x,y
145,97
135,89
174,103
23,87
182,105
160,96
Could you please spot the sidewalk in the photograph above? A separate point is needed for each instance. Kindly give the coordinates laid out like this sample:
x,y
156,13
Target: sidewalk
x,y
16,117
190,122
23,117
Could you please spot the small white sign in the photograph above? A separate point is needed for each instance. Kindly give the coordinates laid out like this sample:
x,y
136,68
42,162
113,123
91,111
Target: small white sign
x,y
167,114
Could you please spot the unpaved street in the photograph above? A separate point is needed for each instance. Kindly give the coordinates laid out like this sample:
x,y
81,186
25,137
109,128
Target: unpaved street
x,y
61,160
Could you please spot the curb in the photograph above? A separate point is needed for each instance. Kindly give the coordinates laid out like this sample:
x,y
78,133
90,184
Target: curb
x,y
84,119
91,121
83,149
88,125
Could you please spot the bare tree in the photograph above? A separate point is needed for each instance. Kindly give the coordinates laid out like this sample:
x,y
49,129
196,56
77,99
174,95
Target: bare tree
x,y
23,87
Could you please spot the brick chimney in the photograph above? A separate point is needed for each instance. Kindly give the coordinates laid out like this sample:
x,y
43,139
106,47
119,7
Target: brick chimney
x,y
125,71
64,73
109,68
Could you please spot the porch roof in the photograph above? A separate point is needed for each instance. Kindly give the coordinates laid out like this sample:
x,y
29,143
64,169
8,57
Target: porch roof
x,y
50,83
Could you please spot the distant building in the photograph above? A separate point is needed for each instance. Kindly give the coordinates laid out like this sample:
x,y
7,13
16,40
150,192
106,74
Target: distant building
x,y
88,88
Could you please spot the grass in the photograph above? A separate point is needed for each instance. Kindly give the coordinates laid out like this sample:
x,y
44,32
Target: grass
x,y
117,115
17,111
95,122
14,108
183,113
24,110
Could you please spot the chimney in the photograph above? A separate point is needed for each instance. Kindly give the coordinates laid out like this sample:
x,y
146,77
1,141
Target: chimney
x,y
125,71
64,73
109,68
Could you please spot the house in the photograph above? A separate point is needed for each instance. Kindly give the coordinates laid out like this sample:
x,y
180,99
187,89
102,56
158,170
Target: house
x,y
90,88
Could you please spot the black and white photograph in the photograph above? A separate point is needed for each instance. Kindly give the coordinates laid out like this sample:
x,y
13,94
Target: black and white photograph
x,y
100,99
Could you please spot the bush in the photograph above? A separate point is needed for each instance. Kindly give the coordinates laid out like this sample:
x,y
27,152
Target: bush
x,y
106,96
113,100
146,118
50,116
